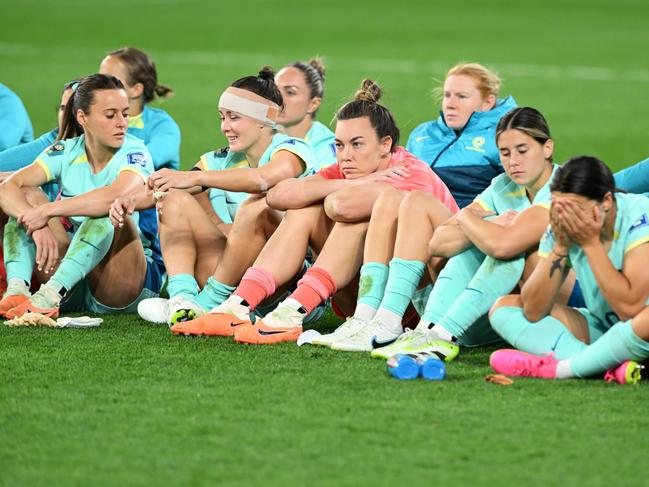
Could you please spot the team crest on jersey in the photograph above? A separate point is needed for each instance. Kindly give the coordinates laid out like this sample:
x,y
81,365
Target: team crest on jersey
x,y
643,221
476,144
136,159
290,141
56,149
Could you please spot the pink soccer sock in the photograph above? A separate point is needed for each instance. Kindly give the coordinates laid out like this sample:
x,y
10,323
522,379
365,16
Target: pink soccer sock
x,y
315,286
256,285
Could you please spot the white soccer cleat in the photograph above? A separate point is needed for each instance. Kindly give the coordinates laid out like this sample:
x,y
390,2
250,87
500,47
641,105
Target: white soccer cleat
x,y
283,317
344,331
154,310
411,341
373,334
183,309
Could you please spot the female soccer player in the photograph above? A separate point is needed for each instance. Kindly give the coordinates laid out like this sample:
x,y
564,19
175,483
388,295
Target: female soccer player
x,y
460,145
486,258
257,159
302,88
94,162
368,153
603,236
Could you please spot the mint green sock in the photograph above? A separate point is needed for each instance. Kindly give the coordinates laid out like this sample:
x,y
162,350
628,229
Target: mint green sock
x,y
90,244
214,293
19,252
544,336
371,287
403,279
618,344
184,285
451,282
494,279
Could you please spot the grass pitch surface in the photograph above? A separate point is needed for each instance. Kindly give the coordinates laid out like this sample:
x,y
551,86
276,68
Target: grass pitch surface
x,y
131,404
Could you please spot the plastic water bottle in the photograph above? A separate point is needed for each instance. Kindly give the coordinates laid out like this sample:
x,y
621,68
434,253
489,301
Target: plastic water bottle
x,y
411,366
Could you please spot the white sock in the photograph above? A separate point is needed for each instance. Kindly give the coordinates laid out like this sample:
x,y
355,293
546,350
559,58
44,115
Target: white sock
x,y
54,286
390,320
443,334
564,370
16,286
364,312
292,303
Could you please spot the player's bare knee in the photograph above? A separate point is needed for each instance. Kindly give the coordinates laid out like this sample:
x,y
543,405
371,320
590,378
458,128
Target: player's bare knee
x,y
174,205
640,324
388,202
510,301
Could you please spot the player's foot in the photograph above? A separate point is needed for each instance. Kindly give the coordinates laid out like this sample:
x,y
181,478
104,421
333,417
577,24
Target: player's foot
x,y
154,310
183,309
45,301
15,294
517,363
283,324
222,320
628,372
373,334
419,340
348,328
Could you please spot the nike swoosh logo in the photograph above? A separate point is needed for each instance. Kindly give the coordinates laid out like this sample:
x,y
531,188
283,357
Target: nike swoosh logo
x,y
377,344
233,324
263,332
419,139
554,347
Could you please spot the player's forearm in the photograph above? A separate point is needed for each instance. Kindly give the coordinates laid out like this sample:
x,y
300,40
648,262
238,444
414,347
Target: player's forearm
x,y
541,289
300,193
12,199
95,203
448,240
244,180
613,284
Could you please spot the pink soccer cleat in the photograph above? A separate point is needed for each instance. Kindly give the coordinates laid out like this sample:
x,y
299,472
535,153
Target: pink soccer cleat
x,y
517,363
628,372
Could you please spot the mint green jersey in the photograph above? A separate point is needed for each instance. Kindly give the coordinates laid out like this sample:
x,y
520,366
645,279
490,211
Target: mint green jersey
x,y
67,163
322,141
226,203
631,230
503,195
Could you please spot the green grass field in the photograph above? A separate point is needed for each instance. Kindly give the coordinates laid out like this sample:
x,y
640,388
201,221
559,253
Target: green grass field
x,y
130,404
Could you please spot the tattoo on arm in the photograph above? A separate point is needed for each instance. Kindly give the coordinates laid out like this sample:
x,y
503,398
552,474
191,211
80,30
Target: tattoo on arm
x,y
559,264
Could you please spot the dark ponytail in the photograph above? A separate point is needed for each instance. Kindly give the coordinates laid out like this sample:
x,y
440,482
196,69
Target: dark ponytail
x,y
365,104
263,85
83,96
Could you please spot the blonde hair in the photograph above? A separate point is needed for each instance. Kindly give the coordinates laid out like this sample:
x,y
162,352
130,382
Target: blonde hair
x,y
487,82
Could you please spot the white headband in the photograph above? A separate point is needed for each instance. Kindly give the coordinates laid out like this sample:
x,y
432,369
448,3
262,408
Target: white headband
x,y
250,104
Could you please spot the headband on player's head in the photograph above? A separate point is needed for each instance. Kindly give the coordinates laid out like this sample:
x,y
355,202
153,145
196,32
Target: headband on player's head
x,y
250,104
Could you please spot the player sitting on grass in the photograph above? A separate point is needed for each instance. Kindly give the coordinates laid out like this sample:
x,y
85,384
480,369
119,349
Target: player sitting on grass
x,y
460,145
195,235
601,234
94,162
485,257
327,212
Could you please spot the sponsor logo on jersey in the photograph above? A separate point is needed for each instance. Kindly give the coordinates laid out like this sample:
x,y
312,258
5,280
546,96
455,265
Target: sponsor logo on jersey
x,y
136,159
289,141
643,221
56,149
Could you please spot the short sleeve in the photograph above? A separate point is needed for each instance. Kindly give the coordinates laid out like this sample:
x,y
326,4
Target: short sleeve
x,y
301,149
139,161
486,198
547,242
639,230
52,160
331,172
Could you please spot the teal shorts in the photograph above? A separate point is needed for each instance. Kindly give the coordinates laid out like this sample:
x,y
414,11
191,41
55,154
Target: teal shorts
x,y
596,326
80,298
